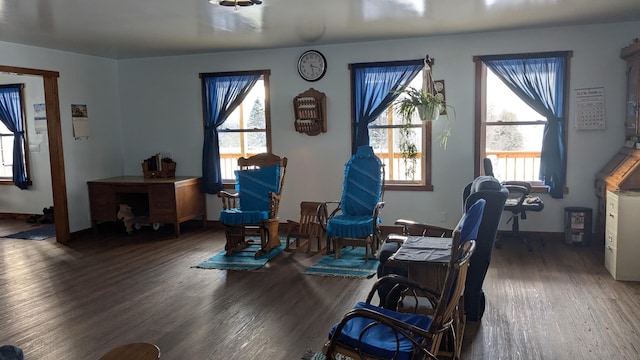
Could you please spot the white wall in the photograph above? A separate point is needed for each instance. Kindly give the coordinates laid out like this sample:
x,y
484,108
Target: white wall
x,y
83,80
139,107
161,111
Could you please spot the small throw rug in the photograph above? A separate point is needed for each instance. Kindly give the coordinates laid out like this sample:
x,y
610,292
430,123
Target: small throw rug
x,y
351,264
40,233
242,260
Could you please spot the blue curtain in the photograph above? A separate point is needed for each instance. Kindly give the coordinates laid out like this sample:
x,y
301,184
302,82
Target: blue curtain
x,y
221,94
11,117
375,86
540,80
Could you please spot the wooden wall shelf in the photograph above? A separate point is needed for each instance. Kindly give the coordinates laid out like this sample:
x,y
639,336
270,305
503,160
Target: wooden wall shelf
x,y
310,111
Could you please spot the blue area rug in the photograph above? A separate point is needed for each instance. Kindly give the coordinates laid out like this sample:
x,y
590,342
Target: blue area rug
x,y
351,264
243,260
40,233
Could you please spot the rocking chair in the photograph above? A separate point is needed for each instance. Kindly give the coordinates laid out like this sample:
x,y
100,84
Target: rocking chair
x,y
355,221
253,209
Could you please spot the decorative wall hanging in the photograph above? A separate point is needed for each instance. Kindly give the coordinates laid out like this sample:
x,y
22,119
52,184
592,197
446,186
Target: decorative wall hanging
x,y
310,112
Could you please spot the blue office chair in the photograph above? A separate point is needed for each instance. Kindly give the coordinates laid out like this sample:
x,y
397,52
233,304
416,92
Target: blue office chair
x,y
253,209
374,332
355,221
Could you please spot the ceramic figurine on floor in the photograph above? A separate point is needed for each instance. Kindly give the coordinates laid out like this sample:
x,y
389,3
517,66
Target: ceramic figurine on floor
x,y
126,215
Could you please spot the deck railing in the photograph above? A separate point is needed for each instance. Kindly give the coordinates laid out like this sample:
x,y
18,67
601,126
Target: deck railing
x,y
521,165
229,163
395,167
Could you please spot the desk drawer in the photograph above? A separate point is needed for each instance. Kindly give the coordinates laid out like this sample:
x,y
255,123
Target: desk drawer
x,y
610,255
102,202
162,203
131,188
612,212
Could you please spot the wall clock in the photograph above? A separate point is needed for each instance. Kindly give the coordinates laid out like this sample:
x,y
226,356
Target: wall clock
x,y
312,65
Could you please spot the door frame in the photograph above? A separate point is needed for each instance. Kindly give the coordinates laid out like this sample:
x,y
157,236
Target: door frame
x,y
56,156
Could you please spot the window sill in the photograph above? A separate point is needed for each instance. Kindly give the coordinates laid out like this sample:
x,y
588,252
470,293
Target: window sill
x,y
6,181
229,185
408,187
538,188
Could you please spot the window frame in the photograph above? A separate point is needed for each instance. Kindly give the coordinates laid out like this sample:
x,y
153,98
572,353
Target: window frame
x,y
480,133
401,185
8,180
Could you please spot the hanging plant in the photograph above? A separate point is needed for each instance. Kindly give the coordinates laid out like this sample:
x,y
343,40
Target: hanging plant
x,y
408,150
426,106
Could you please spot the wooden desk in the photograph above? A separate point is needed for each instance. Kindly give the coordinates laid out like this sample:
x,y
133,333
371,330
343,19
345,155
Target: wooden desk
x,y
164,200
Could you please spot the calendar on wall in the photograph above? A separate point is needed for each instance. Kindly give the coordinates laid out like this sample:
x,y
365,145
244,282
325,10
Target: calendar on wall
x,y
590,109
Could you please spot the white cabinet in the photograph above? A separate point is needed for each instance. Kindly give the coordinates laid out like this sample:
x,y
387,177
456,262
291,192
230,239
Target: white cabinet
x,y
622,235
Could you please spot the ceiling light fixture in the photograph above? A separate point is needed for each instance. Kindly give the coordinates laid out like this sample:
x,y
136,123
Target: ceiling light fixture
x,y
237,3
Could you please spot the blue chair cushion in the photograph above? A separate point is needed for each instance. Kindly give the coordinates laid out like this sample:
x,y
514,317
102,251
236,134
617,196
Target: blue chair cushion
x,y
380,340
238,217
254,186
345,226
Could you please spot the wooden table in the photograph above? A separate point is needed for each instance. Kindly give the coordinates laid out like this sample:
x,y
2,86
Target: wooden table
x,y
425,258
163,200
134,351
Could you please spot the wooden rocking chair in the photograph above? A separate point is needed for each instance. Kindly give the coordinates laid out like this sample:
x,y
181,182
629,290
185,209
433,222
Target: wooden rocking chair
x,y
313,220
253,209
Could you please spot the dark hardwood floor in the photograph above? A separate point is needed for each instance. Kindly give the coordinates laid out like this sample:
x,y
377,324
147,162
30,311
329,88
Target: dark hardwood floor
x,y
104,290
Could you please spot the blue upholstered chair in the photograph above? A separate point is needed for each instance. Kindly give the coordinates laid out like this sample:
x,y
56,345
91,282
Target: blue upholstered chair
x,y
355,221
489,188
253,209
374,332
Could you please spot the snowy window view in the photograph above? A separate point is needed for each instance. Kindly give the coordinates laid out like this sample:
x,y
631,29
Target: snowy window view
x,y
513,133
244,133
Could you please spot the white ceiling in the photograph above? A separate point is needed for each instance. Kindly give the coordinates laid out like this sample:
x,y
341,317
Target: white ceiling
x,y
142,28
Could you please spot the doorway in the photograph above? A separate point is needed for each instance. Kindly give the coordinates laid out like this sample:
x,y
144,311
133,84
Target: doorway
x,y
56,156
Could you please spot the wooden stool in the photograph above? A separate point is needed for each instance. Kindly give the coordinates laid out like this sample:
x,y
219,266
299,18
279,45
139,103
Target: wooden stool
x,y
134,351
308,228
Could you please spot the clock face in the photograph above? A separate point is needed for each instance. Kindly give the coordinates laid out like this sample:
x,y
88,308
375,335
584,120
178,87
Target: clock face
x,y
312,65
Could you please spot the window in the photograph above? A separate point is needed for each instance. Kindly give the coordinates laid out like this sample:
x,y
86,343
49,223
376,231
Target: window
x,y
236,123
13,120
520,117
244,133
513,133
401,146
405,149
